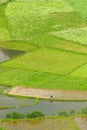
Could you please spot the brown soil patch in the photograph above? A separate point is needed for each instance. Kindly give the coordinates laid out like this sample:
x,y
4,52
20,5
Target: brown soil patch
x,y
46,93
81,122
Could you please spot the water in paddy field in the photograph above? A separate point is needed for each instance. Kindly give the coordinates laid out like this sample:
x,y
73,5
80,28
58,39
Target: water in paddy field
x,y
48,107
6,54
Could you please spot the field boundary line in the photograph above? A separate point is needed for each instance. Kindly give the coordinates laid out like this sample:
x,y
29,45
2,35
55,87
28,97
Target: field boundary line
x,y
77,68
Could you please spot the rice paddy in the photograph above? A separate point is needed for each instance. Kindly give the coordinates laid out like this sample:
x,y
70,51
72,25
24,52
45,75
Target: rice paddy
x,y
78,35
53,34
41,124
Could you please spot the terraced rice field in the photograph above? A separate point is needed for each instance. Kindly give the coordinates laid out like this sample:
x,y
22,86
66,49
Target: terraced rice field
x,y
54,35
41,124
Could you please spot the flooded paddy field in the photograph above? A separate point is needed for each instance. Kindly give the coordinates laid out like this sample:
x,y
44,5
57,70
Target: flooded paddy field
x,y
9,104
25,105
49,108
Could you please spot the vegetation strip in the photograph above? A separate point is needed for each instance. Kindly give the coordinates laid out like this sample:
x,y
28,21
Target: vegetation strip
x,y
49,94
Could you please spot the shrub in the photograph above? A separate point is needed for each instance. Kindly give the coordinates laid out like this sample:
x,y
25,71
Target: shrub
x,y
16,115
35,114
84,111
63,113
71,112
8,115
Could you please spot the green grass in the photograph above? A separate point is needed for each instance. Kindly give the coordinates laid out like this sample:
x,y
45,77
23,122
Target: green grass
x,y
49,60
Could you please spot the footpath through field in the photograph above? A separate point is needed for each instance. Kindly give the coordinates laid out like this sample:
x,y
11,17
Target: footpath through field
x,y
46,93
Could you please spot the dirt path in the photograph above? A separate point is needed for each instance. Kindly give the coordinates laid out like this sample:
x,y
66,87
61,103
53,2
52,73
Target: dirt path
x,y
82,123
46,93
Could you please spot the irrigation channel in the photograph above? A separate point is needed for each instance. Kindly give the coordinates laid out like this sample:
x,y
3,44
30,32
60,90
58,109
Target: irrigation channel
x,y
10,104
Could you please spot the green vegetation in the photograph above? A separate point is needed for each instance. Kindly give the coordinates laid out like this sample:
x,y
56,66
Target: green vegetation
x,y
84,111
69,113
15,115
63,113
2,128
18,45
78,35
4,33
51,41
6,107
80,72
53,34
43,80
35,114
49,60
80,6
39,113
33,16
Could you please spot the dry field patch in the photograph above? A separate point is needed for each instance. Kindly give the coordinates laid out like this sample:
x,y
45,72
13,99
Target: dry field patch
x,y
46,93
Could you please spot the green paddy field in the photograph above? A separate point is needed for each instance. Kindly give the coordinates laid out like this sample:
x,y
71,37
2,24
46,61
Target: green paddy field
x,y
54,36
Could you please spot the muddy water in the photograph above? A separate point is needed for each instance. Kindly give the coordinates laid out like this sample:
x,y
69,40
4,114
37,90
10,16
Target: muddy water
x,y
6,54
